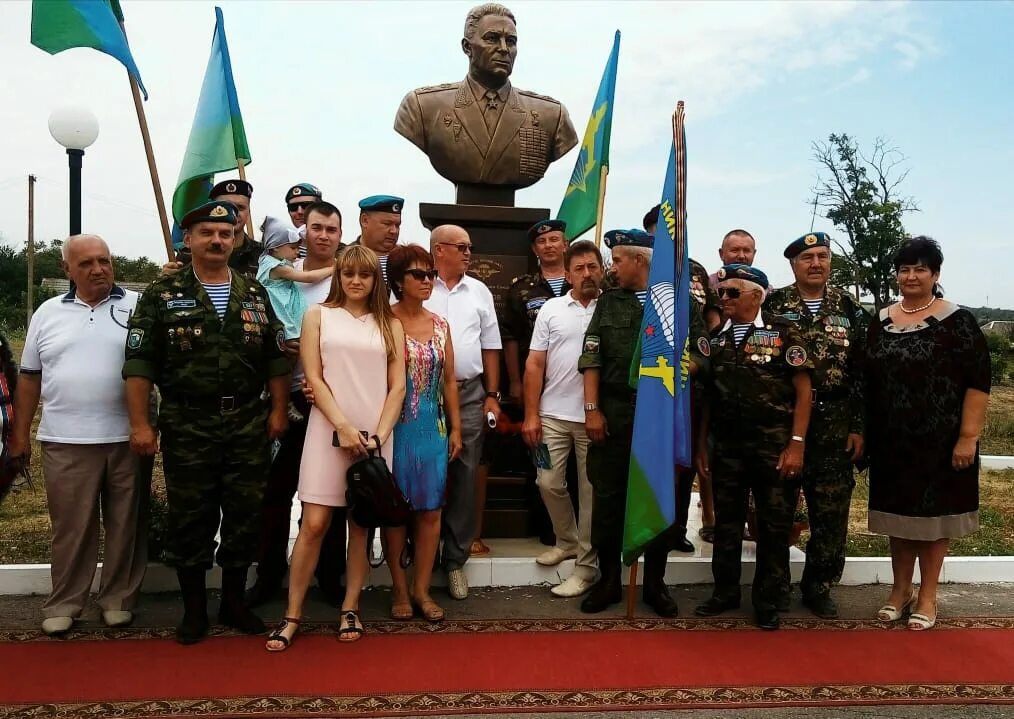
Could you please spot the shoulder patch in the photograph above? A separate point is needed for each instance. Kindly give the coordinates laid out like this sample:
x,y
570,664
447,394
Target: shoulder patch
x,y
280,340
134,338
704,346
591,344
795,356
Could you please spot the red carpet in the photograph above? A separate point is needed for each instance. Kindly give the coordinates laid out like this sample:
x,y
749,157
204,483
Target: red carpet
x,y
486,667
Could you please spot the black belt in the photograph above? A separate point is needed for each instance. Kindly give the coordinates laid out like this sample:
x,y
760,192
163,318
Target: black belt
x,y
222,405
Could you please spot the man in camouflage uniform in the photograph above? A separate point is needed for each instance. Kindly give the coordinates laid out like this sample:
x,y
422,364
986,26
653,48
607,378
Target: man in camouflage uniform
x,y
609,345
526,296
758,411
207,336
833,324
706,300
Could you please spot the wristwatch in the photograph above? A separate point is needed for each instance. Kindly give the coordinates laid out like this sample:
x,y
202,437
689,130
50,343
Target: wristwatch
x,y
590,407
494,395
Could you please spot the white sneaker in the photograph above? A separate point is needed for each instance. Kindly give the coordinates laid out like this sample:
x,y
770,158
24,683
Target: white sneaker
x,y
572,586
457,583
52,626
554,555
117,617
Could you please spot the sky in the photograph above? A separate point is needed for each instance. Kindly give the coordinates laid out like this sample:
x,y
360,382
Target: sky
x,y
319,83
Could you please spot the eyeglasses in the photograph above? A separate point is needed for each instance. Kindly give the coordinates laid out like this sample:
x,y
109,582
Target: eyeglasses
x,y
463,247
733,293
296,206
420,275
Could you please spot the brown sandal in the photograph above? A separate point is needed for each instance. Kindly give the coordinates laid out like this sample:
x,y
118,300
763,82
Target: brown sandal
x,y
277,636
431,611
402,611
350,629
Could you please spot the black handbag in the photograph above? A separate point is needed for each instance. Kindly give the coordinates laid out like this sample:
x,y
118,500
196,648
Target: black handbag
x,y
373,496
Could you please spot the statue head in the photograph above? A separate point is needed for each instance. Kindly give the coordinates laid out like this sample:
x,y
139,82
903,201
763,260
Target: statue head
x,y
491,43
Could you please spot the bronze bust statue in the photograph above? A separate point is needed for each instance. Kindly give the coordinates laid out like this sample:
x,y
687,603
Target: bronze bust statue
x,y
482,130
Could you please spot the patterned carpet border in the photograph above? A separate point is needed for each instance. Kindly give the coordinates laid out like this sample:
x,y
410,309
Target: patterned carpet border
x,y
533,701
492,626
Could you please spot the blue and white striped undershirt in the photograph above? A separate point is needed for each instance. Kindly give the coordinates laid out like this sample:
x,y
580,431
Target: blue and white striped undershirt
x,y
739,331
556,284
814,305
383,266
219,295
642,296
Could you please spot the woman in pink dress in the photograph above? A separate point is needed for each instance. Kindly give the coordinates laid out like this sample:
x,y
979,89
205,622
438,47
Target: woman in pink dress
x,y
352,343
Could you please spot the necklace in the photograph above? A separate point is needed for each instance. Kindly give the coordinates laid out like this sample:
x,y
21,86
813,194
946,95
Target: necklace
x,y
917,309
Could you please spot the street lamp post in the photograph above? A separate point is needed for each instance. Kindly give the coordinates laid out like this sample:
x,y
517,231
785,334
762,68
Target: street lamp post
x,y
75,128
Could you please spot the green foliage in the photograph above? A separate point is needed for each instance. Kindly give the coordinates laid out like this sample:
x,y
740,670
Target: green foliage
x,y
859,195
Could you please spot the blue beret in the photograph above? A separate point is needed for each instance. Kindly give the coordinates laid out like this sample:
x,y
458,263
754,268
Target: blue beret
x,y
231,187
629,238
806,242
382,203
215,211
541,228
743,272
303,189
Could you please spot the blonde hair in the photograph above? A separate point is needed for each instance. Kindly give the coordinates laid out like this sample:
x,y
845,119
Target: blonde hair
x,y
358,258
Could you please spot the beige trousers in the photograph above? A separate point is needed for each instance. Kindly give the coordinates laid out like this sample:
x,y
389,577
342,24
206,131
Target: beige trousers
x,y
82,481
560,436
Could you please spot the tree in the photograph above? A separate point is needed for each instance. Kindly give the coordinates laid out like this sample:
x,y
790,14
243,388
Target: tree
x,y
860,194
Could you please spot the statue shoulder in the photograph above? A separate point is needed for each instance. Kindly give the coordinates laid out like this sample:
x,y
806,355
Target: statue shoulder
x,y
534,96
436,88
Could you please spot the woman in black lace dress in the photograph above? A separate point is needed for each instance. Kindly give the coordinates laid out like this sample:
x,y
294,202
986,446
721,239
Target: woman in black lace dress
x,y
928,382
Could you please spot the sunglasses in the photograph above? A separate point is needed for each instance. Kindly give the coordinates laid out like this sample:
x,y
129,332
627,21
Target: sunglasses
x,y
463,247
296,206
733,293
420,275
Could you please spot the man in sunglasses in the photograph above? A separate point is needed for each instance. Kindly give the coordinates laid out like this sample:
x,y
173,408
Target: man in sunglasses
x,y
380,225
758,412
297,200
834,324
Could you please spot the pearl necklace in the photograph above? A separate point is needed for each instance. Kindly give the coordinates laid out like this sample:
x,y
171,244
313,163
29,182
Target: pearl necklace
x,y
917,309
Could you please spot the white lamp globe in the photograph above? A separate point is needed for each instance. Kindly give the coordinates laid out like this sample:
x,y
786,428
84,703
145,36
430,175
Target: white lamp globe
x,y
74,127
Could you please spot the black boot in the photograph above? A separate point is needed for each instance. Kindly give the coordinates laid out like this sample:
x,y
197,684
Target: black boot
x,y
680,543
655,593
233,612
194,626
608,590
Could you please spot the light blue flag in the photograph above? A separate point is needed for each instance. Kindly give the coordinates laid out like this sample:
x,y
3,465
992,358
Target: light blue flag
x,y
662,415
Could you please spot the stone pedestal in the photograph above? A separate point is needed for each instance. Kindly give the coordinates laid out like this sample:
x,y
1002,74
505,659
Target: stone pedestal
x,y
500,253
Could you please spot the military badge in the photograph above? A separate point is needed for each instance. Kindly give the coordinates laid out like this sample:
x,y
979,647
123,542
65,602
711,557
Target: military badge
x,y
396,207
810,240
591,344
280,341
795,356
180,304
296,191
220,211
231,187
721,273
134,338
703,346
166,296
543,228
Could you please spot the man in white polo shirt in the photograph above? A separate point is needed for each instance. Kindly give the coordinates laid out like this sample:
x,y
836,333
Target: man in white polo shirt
x,y
72,360
467,305
554,415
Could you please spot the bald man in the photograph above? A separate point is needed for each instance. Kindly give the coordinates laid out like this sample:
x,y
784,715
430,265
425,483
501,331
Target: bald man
x,y
72,360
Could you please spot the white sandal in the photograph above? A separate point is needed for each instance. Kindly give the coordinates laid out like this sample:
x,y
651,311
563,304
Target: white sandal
x,y
891,613
919,622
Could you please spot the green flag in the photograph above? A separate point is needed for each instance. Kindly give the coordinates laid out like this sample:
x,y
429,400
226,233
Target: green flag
x,y
581,202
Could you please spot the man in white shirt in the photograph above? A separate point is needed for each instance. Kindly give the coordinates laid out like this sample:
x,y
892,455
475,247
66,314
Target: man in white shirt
x,y
322,241
467,305
72,360
554,415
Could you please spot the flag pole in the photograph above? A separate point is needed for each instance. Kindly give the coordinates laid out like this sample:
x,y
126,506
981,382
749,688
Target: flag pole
x,y
603,174
30,249
632,591
241,166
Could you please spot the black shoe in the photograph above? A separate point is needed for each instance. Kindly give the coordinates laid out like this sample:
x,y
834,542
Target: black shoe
x,y
784,602
715,606
605,593
194,626
682,544
768,619
822,605
658,598
233,612
262,592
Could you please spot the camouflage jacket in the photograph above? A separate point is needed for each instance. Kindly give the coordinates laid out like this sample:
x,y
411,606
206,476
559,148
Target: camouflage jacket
x,y
836,337
524,299
177,341
611,341
750,390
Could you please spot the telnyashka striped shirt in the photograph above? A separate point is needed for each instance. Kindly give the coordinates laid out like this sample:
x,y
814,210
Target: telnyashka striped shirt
x,y
556,283
814,305
219,295
739,331
642,296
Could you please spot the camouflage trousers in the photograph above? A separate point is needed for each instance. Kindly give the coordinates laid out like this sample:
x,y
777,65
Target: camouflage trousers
x,y
736,471
216,470
828,481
